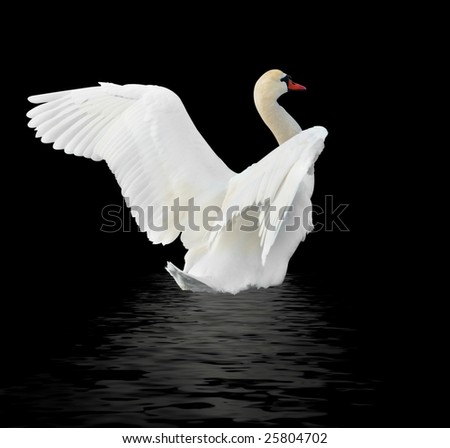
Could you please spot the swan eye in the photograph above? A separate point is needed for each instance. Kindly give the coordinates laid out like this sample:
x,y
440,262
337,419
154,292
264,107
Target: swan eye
x,y
285,79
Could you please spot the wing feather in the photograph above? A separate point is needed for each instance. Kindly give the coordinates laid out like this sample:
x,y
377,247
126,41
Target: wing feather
x,y
147,139
72,131
271,185
157,156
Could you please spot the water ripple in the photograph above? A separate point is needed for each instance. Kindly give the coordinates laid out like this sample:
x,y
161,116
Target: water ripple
x,y
164,357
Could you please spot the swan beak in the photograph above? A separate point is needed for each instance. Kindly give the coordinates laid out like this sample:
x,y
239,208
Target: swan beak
x,y
294,86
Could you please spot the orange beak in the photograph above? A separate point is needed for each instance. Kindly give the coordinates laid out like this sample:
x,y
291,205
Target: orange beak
x,y
294,86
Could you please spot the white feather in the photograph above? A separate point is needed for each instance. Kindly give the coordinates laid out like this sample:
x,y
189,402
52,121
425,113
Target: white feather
x,y
158,157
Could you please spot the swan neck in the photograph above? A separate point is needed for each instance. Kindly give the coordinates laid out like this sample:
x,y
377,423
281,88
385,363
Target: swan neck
x,y
280,122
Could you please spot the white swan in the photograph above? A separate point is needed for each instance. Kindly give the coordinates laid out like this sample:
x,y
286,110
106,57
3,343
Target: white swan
x,y
240,229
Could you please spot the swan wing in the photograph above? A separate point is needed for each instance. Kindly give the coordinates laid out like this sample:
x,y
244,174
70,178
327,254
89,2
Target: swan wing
x,y
148,141
263,194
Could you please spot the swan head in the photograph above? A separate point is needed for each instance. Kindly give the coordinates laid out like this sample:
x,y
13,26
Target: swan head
x,y
273,84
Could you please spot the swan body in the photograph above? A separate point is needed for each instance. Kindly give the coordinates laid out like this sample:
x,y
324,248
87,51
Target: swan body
x,y
239,229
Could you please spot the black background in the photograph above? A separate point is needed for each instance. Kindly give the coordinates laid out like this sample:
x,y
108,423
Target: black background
x,y
213,68
353,64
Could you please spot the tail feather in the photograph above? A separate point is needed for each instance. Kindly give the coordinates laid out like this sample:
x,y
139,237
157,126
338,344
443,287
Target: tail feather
x,y
185,281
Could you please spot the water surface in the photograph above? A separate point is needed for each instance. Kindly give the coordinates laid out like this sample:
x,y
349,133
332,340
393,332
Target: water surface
x,y
158,356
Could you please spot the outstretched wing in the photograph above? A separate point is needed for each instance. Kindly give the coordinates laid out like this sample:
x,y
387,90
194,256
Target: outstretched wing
x,y
268,188
148,141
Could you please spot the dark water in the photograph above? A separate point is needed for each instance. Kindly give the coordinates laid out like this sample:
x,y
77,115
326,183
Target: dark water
x,y
158,356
